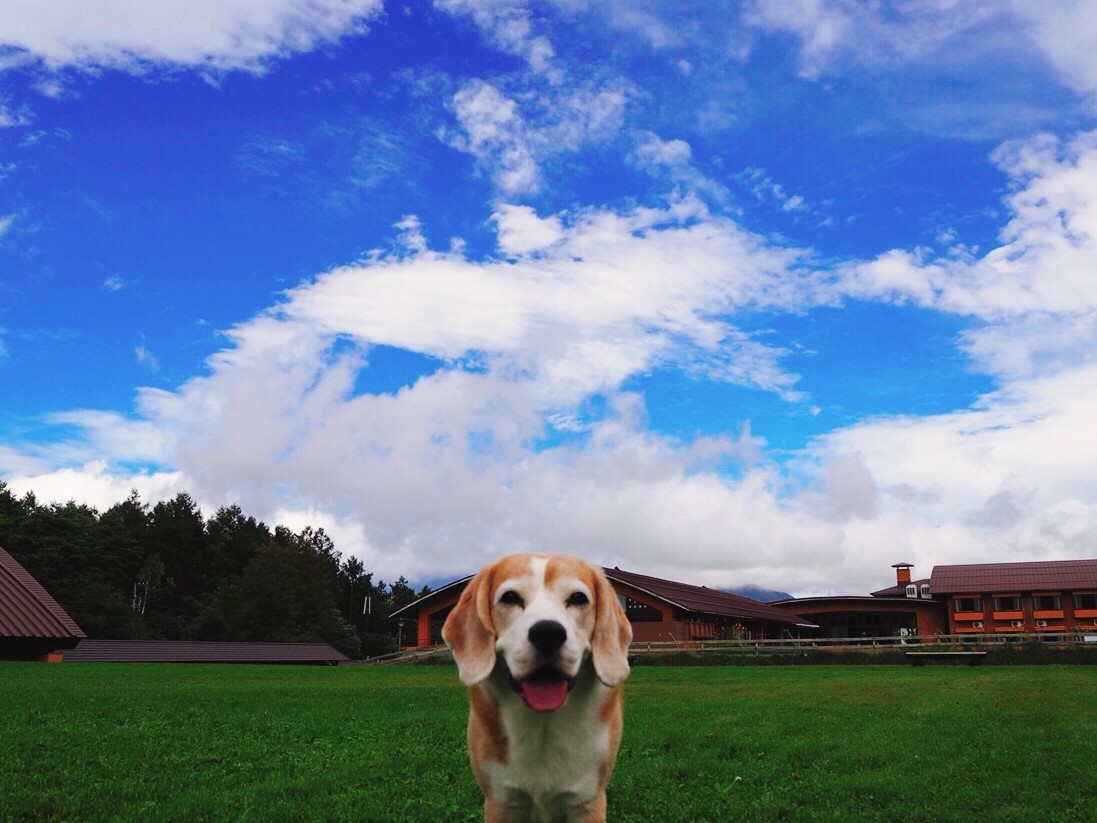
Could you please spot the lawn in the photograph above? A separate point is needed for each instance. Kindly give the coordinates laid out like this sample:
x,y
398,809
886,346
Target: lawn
x,y
121,742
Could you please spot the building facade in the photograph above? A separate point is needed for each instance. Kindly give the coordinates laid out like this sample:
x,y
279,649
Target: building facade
x,y
907,609
1018,598
659,610
989,599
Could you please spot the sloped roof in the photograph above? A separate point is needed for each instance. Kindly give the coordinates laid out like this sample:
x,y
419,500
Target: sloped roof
x,y
899,589
26,609
703,599
682,595
1053,575
186,651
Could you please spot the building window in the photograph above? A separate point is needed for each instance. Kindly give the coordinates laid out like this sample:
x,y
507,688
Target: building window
x,y
1085,601
1046,602
912,590
925,591
969,604
1011,603
641,612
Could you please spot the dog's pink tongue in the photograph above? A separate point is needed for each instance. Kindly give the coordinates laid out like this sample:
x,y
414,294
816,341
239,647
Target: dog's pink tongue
x,y
545,695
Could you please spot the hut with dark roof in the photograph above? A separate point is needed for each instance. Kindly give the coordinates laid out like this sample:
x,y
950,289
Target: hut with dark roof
x,y
204,651
32,623
33,626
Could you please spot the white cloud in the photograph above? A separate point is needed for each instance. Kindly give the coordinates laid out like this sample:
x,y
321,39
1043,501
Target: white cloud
x,y
673,159
637,288
1038,343
270,156
95,484
657,152
509,25
512,136
464,464
834,34
444,473
6,222
521,231
883,35
822,27
1044,264
494,132
9,118
765,189
449,469
513,124
127,441
1012,473
584,115
213,34
1065,31
146,358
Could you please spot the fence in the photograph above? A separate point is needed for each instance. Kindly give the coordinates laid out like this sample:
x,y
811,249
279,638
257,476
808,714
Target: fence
x,y
403,656
942,641
786,645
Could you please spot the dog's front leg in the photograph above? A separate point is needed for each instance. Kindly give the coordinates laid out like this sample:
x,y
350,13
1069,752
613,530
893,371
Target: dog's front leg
x,y
494,813
514,813
591,812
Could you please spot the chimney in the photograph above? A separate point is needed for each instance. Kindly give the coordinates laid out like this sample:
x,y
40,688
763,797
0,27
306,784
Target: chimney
x,y
902,573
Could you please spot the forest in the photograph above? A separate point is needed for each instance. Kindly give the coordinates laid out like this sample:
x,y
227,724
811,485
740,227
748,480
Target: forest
x,y
165,572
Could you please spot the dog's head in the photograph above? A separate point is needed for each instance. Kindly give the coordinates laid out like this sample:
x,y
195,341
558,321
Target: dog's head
x,y
543,616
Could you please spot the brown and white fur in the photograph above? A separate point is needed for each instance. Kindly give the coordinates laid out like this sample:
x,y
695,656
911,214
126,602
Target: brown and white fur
x,y
541,641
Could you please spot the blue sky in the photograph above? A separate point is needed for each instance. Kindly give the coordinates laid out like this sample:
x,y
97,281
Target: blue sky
x,y
754,293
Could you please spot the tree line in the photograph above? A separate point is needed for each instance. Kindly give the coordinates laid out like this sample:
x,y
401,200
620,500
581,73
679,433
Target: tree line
x,y
166,573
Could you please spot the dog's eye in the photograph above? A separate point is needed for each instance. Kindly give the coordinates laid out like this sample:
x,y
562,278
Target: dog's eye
x,y
511,598
578,599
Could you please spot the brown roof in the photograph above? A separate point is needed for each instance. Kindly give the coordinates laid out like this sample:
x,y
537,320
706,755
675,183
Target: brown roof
x,y
682,595
984,578
186,651
26,609
899,589
703,599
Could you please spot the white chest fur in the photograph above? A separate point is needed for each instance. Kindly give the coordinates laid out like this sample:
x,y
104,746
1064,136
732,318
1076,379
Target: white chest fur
x,y
555,761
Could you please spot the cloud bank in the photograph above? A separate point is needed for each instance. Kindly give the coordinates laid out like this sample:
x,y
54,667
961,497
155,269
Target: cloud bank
x,y
524,431
527,425
133,35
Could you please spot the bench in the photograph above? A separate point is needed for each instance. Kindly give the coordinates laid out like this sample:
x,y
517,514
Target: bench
x,y
972,658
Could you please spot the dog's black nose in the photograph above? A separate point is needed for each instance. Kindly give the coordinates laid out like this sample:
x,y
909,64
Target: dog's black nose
x,y
547,636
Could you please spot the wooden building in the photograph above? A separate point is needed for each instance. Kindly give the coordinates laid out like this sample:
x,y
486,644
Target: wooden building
x,y
659,610
905,609
204,651
1000,599
32,623
33,626
1018,598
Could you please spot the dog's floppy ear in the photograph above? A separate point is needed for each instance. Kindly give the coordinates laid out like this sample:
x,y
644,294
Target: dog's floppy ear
x,y
612,633
469,632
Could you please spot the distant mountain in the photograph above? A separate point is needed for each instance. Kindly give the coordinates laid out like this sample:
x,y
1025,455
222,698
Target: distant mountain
x,y
760,594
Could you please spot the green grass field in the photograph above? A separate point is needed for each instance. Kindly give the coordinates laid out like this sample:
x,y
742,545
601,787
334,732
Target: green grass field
x,y
83,742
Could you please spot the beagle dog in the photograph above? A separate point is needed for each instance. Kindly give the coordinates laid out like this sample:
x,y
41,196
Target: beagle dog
x,y
541,641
